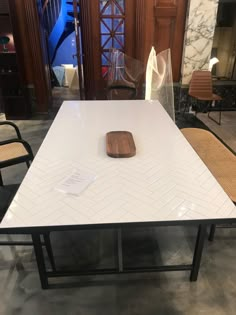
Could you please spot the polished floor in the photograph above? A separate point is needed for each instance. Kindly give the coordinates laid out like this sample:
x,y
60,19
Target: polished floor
x,y
59,94
154,293
226,131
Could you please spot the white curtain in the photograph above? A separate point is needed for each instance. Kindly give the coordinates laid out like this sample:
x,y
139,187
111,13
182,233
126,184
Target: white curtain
x,y
159,80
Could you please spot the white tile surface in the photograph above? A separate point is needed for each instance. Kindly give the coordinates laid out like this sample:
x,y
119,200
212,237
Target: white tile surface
x,y
165,181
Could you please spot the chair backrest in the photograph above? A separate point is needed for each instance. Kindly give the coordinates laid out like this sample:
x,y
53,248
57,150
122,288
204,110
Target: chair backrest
x,y
201,84
120,91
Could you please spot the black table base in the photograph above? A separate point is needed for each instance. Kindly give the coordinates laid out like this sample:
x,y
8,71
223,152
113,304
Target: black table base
x,y
45,275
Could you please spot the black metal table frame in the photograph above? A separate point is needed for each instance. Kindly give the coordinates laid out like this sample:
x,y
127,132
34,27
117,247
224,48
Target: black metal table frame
x,y
45,274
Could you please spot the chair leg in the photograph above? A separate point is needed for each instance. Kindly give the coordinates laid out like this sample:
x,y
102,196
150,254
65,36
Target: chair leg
x,y
188,105
205,107
212,232
185,108
28,164
48,246
220,111
196,111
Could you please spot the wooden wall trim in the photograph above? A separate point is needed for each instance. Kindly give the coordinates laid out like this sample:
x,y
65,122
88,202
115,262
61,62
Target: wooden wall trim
x,y
40,80
130,28
166,3
21,35
165,25
178,42
140,28
161,11
88,42
28,40
169,30
145,23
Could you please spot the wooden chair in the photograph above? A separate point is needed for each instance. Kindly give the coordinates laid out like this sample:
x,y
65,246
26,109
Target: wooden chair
x,y
14,151
201,89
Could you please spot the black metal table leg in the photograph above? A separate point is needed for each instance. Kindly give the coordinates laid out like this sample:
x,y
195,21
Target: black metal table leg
x,y
48,246
198,252
120,251
212,232
1,181
40,260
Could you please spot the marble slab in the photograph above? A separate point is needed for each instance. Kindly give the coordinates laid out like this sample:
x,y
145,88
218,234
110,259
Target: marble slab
x,y
200,27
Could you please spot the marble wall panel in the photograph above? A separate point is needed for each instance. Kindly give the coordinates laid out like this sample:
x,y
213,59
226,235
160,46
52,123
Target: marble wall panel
x,y
200,27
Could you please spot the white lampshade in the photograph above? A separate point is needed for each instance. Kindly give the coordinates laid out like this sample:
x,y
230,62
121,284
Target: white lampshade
x,y
212,62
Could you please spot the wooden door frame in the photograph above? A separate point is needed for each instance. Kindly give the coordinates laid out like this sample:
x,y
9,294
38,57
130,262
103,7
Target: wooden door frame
x,y
89,46
140,32
90,28
28,45
146,18
172,15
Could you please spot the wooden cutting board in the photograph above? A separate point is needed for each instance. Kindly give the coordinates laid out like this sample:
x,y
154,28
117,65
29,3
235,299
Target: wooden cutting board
x,y
120,144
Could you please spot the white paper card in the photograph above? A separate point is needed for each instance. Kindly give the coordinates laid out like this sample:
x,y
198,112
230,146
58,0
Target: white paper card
x,y
76,182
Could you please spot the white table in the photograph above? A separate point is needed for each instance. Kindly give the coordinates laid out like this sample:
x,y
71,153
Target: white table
x,y
166,183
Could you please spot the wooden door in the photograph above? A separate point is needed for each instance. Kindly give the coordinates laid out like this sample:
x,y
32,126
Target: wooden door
x,y
44,55
169,25
30,49
160,23
105,24
133,26
78,47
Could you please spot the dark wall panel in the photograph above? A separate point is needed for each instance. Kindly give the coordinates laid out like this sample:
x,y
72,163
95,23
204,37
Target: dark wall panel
x,y
4,7
6,30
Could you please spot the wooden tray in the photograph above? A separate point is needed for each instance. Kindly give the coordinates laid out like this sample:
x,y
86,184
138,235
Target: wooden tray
x,y
120,144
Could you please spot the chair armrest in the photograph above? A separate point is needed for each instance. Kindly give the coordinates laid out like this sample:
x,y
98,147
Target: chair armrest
x,y
25,144
9,123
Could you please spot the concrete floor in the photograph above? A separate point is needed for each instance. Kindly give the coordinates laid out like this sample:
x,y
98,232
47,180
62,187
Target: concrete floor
x,y
155,293
226,131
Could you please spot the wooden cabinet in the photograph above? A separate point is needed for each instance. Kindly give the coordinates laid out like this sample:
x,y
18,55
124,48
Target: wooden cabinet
x,y
14,96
